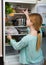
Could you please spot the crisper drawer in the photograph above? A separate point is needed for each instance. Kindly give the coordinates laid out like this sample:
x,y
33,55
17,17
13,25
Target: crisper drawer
x,y
9,50
12,60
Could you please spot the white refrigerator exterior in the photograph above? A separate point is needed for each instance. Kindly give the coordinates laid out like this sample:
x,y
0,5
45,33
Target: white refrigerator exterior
x,y
0,29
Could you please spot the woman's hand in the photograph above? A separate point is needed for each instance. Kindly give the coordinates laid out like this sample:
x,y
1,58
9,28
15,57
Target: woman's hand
x,y
9,37
26,13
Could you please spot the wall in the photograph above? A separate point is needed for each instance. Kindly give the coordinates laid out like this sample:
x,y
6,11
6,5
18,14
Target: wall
x,y
42,1
34,9
0,31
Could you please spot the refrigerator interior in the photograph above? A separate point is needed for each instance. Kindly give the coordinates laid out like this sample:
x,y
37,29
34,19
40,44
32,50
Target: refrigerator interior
x,y
15,25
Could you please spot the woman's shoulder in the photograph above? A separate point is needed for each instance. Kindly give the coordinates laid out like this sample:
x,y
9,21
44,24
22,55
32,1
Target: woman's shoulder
x,y
29,37
26,37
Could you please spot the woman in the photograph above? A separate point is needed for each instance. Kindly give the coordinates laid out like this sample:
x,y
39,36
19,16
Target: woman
x,y
30,45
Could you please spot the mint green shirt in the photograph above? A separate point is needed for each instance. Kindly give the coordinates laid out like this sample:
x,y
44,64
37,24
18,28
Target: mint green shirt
x,y
27,47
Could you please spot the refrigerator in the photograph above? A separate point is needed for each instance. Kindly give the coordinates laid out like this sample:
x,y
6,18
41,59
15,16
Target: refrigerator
x,y
14,23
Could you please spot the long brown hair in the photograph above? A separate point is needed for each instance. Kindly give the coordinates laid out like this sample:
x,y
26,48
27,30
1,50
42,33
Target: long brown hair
x,y
36,19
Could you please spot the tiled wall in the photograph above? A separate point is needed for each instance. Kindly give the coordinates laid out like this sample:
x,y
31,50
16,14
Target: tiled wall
x,y
0,31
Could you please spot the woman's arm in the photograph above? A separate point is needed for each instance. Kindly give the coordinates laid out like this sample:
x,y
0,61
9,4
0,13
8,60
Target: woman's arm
x,y
27,14
18,45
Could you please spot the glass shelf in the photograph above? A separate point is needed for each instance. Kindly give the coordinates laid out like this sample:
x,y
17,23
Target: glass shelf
x,y
16,34
19,13
17,26
7,44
